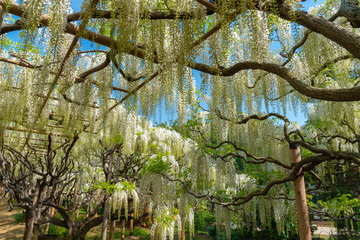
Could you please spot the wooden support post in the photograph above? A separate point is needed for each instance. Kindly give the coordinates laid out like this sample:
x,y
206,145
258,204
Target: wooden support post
x,y
112,229
182,226
131,223
123,229
156,234
300,196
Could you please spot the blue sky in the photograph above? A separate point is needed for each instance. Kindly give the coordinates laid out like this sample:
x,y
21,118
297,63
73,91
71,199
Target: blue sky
x,y
294,116
299,117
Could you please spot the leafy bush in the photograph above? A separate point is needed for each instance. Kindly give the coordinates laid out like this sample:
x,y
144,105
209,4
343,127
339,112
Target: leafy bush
x,y
95,238
59,231
203,219
236,234
19,217
140,232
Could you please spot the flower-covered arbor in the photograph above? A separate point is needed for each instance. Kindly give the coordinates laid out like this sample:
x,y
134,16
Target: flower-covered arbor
x,y
77,75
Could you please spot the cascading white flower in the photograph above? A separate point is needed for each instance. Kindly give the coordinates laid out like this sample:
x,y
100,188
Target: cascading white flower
x,y
124,191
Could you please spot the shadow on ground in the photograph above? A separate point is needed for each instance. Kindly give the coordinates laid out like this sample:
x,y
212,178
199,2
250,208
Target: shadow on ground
x,y
9,228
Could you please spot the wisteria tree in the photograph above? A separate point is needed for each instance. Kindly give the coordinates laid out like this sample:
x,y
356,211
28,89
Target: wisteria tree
x,y
228,71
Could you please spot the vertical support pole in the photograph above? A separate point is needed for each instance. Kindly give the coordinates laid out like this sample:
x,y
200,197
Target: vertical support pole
x,y
300,196
156,234
182,218
131,223
112,229
123,228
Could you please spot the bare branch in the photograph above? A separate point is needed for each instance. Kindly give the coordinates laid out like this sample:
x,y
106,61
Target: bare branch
x,y
151,15
344,94
326,65
208,4
79,30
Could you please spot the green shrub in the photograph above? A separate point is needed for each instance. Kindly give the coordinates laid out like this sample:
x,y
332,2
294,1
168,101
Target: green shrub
x,y
96,238
140,232
19,217
203,219
59,231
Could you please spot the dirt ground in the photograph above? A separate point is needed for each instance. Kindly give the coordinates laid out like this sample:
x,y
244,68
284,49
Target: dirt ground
x,y
9,228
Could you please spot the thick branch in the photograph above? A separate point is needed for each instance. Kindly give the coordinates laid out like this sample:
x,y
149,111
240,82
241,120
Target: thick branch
x,y
152,15
343,95
208,4
342,36
79,29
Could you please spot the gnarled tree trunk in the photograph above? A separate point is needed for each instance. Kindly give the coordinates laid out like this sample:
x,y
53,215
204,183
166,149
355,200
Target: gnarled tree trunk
x,y
30,214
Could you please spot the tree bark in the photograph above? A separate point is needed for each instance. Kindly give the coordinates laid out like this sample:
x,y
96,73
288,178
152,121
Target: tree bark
x,y
107,199
36,231
105,218
30,222
131,222
72,226
51,211
300,196
97,194
2,8
335,32
74,201
2,190
66,197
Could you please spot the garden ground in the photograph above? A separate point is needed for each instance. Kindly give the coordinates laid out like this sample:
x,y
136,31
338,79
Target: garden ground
x,y
9,228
